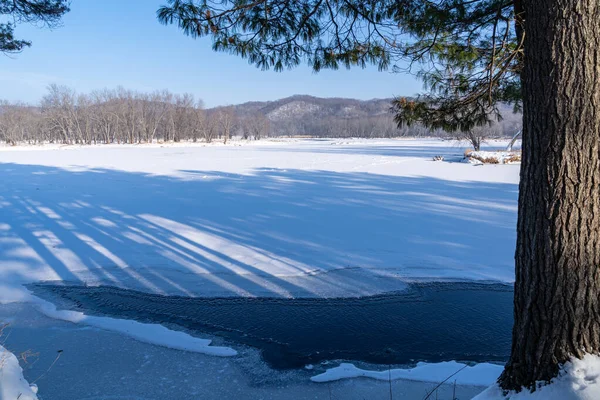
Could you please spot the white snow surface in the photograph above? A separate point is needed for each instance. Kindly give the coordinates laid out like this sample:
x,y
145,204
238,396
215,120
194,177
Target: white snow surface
x,y
12,383
477,375
298,218
277,218
578,380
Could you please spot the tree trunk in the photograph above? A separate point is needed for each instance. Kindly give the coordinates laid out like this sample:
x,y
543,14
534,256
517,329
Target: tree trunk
x,y
476,143
557,288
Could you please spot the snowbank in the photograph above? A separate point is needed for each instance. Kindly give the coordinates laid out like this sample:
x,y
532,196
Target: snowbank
x,y
148,333
12,383
494,157
13,293
578,380
477,375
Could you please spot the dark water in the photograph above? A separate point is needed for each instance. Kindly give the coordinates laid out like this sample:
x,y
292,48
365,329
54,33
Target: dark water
x,y
429,322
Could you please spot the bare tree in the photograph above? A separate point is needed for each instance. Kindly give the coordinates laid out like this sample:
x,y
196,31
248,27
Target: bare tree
x,y
181,118
477,135
105,115
258,126
200,123
15,123
56,107
226,121
125,116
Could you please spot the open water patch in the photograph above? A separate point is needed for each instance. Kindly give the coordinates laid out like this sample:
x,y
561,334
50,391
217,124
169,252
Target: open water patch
x,y
430,322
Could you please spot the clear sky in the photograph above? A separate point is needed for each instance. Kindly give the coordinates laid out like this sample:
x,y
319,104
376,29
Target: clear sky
x,y
107,43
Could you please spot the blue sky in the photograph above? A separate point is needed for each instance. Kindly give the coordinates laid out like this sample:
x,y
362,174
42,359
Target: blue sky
x,y
107,43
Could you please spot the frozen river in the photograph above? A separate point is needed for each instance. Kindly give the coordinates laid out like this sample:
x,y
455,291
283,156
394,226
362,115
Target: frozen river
x,y
291,252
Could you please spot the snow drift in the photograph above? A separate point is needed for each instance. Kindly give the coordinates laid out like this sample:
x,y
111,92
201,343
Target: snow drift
x,y
478,375
12,383
577,380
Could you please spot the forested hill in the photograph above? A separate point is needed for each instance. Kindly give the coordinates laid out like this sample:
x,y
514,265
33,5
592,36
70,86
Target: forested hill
x,y
335,117
303,115
299,106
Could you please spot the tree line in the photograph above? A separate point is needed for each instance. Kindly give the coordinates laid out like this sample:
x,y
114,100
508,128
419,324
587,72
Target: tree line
x,y
121,116
384,126
125,116
377,126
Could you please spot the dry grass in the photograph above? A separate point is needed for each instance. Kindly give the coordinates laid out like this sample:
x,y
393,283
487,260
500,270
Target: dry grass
x,y
514,158
502,158
485,160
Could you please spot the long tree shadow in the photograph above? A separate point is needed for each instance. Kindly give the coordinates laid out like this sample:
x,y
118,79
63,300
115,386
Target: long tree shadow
x,y
274,232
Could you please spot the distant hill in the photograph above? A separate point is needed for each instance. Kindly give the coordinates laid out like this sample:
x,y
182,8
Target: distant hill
x,y
340,117
315,116
302,106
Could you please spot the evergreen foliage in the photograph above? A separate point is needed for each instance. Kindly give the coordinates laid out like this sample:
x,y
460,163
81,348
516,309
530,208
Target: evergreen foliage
x,y
44,12
467,52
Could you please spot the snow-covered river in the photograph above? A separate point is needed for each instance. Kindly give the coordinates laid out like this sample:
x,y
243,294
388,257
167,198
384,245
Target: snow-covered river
x,y
253,246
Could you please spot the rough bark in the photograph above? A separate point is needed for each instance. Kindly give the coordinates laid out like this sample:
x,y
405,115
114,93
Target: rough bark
x,y
557,288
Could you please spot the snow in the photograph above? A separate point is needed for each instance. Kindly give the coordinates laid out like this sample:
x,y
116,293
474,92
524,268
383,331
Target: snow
x,y
277,218
482,374
297,108
578,380
269,218
147,333
12,383
99,364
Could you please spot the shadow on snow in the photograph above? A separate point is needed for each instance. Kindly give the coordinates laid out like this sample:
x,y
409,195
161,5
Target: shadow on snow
x,y
275,232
